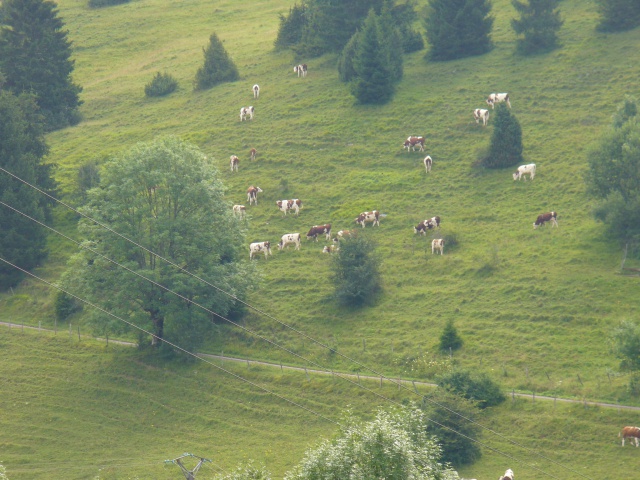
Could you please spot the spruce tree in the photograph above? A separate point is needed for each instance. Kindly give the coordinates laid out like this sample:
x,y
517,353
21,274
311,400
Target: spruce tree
x,y
390,40
35,57
218,66
539,24
291,26
22,148
355,271
618,15
374,82
346,70
506,142
450,340
458,28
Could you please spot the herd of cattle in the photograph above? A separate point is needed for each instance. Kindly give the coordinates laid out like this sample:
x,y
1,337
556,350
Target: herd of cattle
x,y
412,143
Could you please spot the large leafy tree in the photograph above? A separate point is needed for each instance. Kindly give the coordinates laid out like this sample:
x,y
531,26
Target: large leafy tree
x,y
538,24
22,150
218,66
166,197
505,149
35,56
458,28
618,15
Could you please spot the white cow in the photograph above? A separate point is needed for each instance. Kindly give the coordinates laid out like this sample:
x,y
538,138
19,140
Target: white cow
x,y
481,114
246,112
239,210
252,194
428,162
524,170
498,98
256,91
437,244
289,239
235,161
258,247
365,217
508,475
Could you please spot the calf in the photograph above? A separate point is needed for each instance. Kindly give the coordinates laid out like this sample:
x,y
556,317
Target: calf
x,y
508,475
428,162
256,91
246,112
252,154
437,244
630,432
481,114
524,170
365,217
235,161
546,217
258,247
498,98
330,249
239,210
252,194
319,230
289,239
412,142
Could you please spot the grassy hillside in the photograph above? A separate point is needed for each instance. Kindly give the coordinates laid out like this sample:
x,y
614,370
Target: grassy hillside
x,y
534,307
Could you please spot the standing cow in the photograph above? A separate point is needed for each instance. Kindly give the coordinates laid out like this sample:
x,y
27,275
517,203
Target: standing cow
x,y
235,162
630,432
437,244
523,170
252,194
252,154
546,217
481,114
498,98
365,217
508,475
246,112
256,91
319,230
412,141
289,239
428,162
258,247
239,210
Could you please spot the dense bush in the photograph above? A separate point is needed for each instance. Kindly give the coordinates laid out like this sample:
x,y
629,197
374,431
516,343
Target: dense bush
x,y
105,3
161,84
618,15
505,149
65,305
88,178
476,387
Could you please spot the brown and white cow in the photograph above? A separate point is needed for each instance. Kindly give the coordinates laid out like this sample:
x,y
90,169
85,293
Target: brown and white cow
x,y
420,228
256,91
246,112
437,244
523,170
301,70
433,222
481,114
319,230
239,210
258,247
428,162
252,154
630,432
252,194
412,141
344,233
289,239
330,249
235,161
508,475
364,217
498,98
546,217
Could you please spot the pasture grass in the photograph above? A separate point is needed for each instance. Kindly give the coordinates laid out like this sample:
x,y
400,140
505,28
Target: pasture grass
x,y
534,307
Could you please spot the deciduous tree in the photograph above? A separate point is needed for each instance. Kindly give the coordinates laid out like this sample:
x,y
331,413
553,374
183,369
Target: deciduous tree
x,y
539,24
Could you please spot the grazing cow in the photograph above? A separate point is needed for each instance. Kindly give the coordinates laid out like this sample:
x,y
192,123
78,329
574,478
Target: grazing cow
x,y
433,222
239,210
428,162
420,228
258,247
256,91
246,112
330,249
412,142
437,244
252,153
286,205
235,161
546,217
365,217
252,194
289,238
301,70
344,233
630,432
523,170
498,98
508,475
481,114
319,230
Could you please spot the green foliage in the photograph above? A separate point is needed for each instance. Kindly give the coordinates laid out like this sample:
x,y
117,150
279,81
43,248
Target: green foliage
x,y
246,472
291,27
394,445
65,305
22,149
450,338
106,3
626,344
618,15
162,84
163,195
451,425
505,149
478,388
412,40
355,271
539,24
403,19
626,110
3,473
35,57
458,28
88,178
346,70
218,66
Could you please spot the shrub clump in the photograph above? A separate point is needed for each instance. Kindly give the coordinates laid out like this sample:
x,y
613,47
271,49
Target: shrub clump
x,y
476,387
105,3
162,84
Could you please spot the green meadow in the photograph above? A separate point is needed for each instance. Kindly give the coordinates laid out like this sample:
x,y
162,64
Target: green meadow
x,y
534,307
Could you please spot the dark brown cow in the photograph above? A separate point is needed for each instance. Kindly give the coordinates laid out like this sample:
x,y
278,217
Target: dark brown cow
x,y
546,217
630,432
319,230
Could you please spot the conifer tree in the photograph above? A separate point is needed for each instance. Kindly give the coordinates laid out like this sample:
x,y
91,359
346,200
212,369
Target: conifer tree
x,y
346,70
391,40
355,271
450,338
506,142
292,26
539,24
618,15
458,28
35,57
218,66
